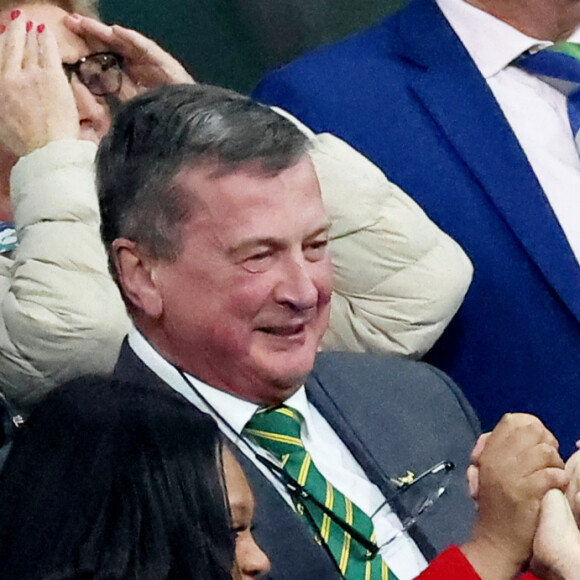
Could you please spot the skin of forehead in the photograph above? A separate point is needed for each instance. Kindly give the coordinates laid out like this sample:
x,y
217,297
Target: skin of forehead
x,y
71,46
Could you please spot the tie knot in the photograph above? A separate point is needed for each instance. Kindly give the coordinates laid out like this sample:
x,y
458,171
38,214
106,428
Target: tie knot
x,y
558,65
277,430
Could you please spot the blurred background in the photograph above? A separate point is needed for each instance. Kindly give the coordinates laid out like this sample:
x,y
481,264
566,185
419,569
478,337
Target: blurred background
x,y
233,43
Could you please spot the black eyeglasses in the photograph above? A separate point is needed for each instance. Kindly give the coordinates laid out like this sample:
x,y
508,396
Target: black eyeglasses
x,y
427,488
417,494
101,72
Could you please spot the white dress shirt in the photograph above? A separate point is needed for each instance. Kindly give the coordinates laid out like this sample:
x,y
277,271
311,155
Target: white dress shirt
x,y
536,111
328,452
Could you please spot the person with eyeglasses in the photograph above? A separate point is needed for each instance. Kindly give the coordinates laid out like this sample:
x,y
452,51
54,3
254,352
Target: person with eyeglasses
x,y
216,231
399,278
61,315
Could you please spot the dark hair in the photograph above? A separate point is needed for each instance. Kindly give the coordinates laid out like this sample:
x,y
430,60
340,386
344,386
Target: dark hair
x,y
112,480
156,135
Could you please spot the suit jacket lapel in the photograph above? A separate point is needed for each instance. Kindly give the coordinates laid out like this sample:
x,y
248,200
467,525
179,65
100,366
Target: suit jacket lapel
x,y
282,535
470,118
329,407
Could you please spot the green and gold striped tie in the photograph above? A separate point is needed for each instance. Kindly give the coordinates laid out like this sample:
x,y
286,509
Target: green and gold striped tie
x,y
278,431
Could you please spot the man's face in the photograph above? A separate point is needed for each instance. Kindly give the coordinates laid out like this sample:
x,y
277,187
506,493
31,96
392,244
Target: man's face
x,y
543,19
94,117
247,301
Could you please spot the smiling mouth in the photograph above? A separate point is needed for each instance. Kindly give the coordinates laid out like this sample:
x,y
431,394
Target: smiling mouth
x,y
283,331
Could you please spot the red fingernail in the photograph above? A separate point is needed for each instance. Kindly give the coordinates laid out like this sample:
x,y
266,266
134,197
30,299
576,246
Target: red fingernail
x,y
40,28
29,26
15,14
2,28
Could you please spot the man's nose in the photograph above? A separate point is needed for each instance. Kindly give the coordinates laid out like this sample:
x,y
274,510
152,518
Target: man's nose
x,y
297,284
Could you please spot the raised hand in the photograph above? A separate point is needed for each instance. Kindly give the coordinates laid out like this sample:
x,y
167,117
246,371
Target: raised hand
x,y
573,491
473,469
36,102
518,464
146,64
557,540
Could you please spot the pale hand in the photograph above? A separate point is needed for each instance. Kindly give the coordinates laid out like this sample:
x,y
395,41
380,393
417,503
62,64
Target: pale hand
x,y
573,491
557,540
145,63
37,105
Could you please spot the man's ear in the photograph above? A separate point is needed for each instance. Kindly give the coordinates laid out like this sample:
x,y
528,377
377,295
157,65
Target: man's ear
x,y
136,275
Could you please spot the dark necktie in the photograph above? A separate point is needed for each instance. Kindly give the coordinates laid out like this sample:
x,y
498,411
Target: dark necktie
x,y
278,431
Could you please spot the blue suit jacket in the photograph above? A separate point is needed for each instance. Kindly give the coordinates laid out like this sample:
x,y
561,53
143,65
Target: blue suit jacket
x,y
408,95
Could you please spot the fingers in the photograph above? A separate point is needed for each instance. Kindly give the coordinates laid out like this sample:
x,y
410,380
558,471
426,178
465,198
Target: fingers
x,y
542,481
31,53
518,464
554,506
573,491
48,53
479,447
473,481
36,102
14,43
557,539
473,469
145,63
128,43
519,432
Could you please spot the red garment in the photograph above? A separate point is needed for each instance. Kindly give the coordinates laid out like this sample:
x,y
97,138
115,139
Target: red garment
x,y
451,564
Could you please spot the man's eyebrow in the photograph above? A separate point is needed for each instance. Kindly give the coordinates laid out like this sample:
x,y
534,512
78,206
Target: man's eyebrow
x,y
273,242
321,230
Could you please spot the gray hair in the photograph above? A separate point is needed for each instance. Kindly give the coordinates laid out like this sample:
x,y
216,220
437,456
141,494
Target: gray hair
x,y
158,134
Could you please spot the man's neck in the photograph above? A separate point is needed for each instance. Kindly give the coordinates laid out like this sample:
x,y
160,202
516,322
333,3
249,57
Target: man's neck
x,y
542,19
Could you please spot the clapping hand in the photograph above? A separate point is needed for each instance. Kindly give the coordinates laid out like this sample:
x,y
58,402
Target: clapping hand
x,y
516,467
557,540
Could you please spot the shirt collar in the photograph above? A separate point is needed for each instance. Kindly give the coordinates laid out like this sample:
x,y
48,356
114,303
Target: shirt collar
x,y
575,36
491,43
229,411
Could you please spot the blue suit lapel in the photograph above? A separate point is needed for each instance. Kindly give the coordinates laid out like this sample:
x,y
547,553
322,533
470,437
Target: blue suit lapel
x,y
475,127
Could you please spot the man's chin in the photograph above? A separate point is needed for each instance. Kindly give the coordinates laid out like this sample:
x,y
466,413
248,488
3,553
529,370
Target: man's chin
x,y
284,386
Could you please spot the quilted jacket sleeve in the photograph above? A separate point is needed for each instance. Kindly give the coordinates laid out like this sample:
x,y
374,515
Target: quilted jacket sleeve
x,y
61,313
398,278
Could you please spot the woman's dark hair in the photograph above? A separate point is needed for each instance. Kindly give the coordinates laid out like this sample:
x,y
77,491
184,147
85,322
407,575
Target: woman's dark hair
x,y
112,480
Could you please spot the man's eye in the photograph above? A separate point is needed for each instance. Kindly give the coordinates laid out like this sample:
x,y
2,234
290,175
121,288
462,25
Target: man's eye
x,y
260,256
259,262
315,251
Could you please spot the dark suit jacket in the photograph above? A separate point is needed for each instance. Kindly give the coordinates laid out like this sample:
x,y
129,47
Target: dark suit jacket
x,y
394,415
408,95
